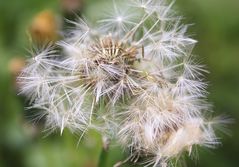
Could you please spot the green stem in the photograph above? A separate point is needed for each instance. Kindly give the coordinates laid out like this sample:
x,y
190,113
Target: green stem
x,y
103,158
104,151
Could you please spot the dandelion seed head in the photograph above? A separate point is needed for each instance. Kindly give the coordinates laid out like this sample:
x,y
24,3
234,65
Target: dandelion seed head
x,y
130,76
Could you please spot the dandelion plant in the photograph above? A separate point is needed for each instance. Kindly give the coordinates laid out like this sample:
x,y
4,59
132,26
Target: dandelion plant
x,y
131,76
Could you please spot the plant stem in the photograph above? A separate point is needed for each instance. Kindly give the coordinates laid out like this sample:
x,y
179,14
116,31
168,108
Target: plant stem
x,y
103,158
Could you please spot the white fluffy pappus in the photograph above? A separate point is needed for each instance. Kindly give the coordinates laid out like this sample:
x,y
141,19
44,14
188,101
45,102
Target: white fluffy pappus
x,y
132,77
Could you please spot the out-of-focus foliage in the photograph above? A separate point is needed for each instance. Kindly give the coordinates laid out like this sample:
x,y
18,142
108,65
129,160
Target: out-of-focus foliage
x,y
23,143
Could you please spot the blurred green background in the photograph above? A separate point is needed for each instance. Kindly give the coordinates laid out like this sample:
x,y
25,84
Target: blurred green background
x,y
23,144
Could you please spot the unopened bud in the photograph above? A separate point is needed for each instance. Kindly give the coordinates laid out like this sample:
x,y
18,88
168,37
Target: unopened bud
x,y
44,27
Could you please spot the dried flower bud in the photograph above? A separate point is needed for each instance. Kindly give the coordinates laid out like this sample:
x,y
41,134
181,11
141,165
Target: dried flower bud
x,y
44,27
16,65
